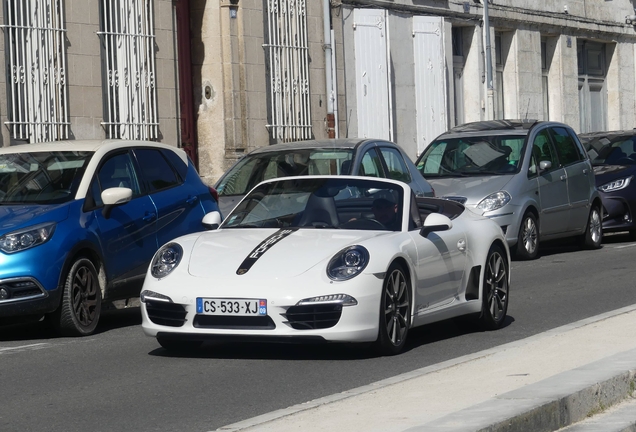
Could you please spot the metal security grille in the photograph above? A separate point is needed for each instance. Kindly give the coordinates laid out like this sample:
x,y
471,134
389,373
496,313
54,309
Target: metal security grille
x,y
129,77
36,69
288,54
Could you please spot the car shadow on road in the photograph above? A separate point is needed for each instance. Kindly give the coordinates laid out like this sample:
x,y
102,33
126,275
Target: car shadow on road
x,y
34,328
572,244
419,336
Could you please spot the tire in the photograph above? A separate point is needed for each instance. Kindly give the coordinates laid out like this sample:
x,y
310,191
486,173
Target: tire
x,y
176,345
495,291
81,305
528,238
593,236
395,311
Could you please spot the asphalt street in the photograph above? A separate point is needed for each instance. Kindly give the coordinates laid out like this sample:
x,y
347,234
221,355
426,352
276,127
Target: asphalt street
x,y
119,379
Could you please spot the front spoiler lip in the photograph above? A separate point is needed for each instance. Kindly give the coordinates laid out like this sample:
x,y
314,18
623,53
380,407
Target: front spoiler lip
x,y
279,339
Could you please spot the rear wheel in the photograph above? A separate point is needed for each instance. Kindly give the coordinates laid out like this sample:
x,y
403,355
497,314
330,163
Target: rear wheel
x,y
594,231
176,345
395,311
528,239
495,292
81,300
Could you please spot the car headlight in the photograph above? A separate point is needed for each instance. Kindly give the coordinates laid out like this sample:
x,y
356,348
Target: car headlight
x,y
166,260
27,238
348,263
615,185
494,201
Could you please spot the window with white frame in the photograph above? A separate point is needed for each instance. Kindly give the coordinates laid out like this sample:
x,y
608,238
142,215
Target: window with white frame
x,y
129,69
287,52
544,79
592,90
458,72
35,53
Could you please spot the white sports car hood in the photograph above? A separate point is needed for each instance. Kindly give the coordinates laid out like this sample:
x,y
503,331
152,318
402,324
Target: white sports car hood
x,y
267,252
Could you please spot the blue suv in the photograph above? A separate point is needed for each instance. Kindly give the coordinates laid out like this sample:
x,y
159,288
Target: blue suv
x,y
81,220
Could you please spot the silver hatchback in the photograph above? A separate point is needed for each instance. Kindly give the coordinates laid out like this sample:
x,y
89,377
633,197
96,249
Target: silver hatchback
x,y
533,178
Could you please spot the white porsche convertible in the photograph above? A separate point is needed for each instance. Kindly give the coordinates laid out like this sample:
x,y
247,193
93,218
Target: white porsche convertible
x,y
325,258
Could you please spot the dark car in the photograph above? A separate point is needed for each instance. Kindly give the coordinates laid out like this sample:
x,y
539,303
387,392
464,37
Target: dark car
x,y
364,157
613,156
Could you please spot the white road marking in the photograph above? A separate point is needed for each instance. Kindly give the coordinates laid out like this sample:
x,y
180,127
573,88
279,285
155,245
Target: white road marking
x,y
24,347
625,246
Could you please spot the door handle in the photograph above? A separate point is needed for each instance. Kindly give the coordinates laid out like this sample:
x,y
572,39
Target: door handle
x,y
192,199
149,217
585,171
563,177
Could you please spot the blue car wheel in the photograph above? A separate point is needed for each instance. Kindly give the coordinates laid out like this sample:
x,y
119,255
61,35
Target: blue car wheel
x,y
81,304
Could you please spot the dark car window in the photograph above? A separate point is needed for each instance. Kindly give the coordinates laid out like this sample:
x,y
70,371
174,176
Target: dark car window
x,y
542,151
566,148
179,165
156,170
119,171
370,165
396,167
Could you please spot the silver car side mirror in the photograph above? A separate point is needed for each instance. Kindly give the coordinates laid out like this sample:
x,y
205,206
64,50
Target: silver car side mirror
x,y
545,165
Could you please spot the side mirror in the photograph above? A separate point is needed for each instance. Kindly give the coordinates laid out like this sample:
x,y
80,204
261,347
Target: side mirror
x,y
545,165
212,220
435,222
112,197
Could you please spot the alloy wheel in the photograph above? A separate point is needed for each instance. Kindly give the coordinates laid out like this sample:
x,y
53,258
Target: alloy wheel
x,y
396,300
84,295
595,226
497,283
529,235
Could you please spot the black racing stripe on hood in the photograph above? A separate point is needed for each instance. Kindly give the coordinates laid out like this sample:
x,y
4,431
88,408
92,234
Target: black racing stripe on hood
x,y
263,247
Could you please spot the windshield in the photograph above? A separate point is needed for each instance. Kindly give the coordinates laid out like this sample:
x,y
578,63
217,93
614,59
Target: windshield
x,y
616,151
253,169
41,177
473,156
321,203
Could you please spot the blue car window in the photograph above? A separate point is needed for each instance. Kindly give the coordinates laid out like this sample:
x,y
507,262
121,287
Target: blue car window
x,y
179,165
118,171
156,170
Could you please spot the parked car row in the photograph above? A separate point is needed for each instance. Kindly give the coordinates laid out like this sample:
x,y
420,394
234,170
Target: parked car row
x,y
307,226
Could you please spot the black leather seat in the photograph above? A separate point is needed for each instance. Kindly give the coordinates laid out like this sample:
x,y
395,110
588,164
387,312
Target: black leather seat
x,y
320,211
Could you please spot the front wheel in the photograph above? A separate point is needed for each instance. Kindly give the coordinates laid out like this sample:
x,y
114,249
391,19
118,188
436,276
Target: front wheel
x,y
528,239
594,230
81,300
495,292
395,311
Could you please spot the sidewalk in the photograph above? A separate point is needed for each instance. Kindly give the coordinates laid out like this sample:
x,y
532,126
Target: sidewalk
x,y
543,383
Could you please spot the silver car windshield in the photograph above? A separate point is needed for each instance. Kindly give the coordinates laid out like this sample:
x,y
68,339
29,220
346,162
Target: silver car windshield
x,y
253,169
484,155
357,204
41,177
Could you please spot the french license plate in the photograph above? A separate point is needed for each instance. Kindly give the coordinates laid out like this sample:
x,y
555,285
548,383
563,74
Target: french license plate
x,y
231,307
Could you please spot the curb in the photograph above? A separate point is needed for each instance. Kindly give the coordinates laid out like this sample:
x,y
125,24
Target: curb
x,y
551,404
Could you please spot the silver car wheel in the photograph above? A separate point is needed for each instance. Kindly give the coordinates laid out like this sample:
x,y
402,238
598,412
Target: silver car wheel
x,y
497,284
529,235
396,307
595,226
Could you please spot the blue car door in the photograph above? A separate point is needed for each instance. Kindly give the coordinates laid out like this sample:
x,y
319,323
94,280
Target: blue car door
x,y
179,211
128,235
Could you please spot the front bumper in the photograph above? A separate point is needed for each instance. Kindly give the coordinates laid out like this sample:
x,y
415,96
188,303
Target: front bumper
x,y
285,320
507,218
619,213
25,296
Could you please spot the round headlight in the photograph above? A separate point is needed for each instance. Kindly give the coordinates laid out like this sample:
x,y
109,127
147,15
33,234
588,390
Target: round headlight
x,y
348,263
166,260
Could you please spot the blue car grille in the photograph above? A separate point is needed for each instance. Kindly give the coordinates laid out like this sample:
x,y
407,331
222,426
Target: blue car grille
x,y
166,314
20,289
311,317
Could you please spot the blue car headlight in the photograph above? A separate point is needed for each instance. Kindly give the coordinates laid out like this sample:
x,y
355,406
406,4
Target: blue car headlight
x,y
348,263
616,185
494,201
27,238
166,260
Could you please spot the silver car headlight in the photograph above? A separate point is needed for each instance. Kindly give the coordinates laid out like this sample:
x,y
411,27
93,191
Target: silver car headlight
x,y
27,238
494,201
166,260
615,185
348,263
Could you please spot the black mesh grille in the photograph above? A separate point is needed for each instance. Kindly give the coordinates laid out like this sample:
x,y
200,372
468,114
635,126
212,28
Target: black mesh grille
x,y
21,289
234,322
314,316
166,314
